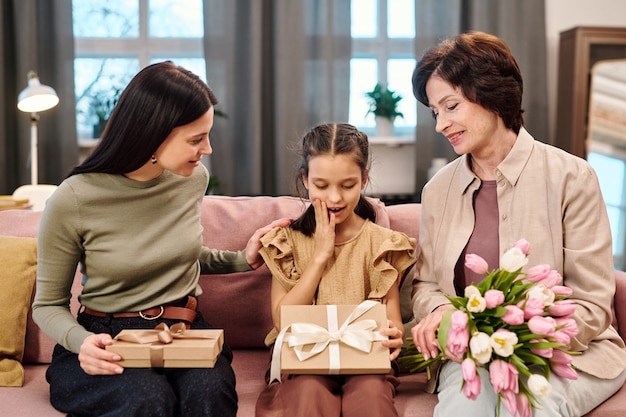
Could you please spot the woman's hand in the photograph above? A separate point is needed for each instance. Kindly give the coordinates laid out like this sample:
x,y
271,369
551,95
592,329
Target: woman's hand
x,y
95,360
395,341
425,332
254,243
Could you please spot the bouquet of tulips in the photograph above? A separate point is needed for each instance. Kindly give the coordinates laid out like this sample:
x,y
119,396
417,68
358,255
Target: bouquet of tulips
x,y
515,324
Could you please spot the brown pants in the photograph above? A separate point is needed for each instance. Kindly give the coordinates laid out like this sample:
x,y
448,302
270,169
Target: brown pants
x,y
329,396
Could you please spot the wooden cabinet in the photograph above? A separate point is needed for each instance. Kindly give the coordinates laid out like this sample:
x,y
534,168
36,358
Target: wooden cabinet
x,y
579,49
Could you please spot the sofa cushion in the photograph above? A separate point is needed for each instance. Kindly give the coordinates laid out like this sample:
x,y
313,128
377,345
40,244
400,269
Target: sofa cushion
x,y
23,223
619,302
405,218
18,257
239,217
39,346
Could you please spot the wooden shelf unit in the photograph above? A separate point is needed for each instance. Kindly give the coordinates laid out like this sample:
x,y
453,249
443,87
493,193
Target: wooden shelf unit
x,y
579,49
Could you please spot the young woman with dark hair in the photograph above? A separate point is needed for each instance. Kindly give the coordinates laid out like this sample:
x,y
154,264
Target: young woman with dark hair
x,y
130,217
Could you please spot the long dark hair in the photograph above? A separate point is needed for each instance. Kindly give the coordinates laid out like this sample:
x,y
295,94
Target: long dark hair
x,y
483,66
331,139
158,99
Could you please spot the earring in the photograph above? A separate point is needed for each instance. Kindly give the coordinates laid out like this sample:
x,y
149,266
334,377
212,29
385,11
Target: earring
x,y
153,159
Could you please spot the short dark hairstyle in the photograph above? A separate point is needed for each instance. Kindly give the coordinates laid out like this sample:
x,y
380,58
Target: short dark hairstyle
x,y
159,98
483,67
332,139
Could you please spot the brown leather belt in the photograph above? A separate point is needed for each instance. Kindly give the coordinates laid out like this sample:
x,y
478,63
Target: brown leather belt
x,y
182,310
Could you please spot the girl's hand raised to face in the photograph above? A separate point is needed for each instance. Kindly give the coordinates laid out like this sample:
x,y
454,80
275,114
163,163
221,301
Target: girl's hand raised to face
x,y
324,231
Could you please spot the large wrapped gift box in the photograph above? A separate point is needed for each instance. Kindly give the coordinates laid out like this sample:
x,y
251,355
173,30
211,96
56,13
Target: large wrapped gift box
x,y
168,348
333,339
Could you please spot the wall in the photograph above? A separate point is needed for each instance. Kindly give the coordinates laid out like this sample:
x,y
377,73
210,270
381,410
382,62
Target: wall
x,y
392,164
565,14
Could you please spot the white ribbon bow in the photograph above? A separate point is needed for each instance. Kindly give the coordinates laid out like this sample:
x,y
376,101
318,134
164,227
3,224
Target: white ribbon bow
x,y
359,335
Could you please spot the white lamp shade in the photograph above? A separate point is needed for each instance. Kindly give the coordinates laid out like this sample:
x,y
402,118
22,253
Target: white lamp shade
x,y
36,97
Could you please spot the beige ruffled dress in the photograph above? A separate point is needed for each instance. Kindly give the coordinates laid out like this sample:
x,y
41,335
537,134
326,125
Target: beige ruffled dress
x,y
362,268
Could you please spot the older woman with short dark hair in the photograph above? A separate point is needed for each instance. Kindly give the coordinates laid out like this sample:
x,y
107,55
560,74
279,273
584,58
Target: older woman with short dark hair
x,y
506,186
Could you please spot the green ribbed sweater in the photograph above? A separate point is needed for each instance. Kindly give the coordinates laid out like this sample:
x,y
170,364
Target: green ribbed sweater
x,y
138,243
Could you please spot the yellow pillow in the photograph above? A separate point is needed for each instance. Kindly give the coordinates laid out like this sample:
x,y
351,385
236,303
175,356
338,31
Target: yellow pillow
x,y
18,270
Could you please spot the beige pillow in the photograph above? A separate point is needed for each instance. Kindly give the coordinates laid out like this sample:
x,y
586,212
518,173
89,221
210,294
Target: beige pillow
x,y
18,269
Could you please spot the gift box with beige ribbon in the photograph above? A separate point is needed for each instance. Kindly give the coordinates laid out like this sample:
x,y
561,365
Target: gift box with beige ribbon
x,y
331,339
164,347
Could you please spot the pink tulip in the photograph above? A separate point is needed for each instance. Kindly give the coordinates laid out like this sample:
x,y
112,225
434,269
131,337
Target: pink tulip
x,y
523,406
561,337
561,364
493,298
564,371
567,325
562,308
533,307
562,290
544,326
458,320
514,315
476,264
542,274
503,376
509,399
561,358
471,388
543,352
538,272
553,279
522,245
458,335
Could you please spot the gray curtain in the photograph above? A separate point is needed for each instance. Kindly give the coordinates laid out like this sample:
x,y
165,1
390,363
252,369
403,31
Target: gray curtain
x,y
36,35
520,23
278,68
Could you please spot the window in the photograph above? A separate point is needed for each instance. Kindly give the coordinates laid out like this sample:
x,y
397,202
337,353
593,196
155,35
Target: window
x,y
383,33
611,170
115,38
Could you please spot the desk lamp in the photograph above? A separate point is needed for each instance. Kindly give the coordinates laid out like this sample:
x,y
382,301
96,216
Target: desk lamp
x,y
34,99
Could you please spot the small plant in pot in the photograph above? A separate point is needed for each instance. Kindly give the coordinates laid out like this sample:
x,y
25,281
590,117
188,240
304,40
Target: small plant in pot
x,y
384,106
101,105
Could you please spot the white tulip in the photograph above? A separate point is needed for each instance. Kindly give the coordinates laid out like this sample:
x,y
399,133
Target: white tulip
x,y
539,385
480,347
476,303
503,342
541,292
513,259
471,290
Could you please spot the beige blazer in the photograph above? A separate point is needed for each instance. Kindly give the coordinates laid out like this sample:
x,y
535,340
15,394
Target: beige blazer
x,y
552,199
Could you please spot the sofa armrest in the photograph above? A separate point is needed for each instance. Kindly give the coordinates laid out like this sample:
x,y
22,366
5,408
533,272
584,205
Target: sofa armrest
x,y
619,303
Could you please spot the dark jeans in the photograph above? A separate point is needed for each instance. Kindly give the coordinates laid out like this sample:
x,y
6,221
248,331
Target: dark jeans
x,y
137,392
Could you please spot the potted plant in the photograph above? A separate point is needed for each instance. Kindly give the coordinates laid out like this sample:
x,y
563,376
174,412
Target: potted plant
x,y
383,104
101,104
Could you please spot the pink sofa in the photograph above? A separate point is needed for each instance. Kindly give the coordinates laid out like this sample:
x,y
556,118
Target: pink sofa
x,y
239,304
